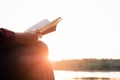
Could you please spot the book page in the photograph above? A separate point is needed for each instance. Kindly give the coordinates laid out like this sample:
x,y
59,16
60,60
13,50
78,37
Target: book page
x,y
38,25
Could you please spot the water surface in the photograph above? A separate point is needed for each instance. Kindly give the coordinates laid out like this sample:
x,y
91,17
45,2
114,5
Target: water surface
x,y
79,75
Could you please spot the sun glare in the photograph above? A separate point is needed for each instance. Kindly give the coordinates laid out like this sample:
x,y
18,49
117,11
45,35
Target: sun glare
x,y
52,58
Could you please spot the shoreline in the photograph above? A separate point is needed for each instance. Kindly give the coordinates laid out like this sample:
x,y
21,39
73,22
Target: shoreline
x,y
92,65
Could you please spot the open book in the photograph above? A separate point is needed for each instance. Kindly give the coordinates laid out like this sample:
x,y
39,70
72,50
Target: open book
x,y
45,26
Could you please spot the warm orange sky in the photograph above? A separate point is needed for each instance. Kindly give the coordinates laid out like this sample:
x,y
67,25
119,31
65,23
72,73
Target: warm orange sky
x,y
89,29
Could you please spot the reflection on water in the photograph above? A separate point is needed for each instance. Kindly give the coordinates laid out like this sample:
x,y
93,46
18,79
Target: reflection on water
x,y
93,78
72,75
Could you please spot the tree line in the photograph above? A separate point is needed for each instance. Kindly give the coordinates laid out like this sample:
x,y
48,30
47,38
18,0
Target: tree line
x,y
88,65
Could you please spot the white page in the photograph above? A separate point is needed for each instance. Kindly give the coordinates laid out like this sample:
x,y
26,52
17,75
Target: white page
x,y
38,25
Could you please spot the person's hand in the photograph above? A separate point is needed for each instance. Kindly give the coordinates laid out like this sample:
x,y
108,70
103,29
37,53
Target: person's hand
x,y
38,33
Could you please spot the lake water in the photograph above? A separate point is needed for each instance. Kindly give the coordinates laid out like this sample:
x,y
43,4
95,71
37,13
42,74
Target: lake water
x,y
78,75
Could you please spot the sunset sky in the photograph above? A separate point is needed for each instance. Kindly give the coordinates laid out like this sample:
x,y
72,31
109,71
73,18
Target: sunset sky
x,y
89,29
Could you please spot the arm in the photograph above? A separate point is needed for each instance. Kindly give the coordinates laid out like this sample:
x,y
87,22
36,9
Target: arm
x,y
10,38
26,38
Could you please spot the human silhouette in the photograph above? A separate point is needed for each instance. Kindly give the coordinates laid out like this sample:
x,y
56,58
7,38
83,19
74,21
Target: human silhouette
x,y
23,57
